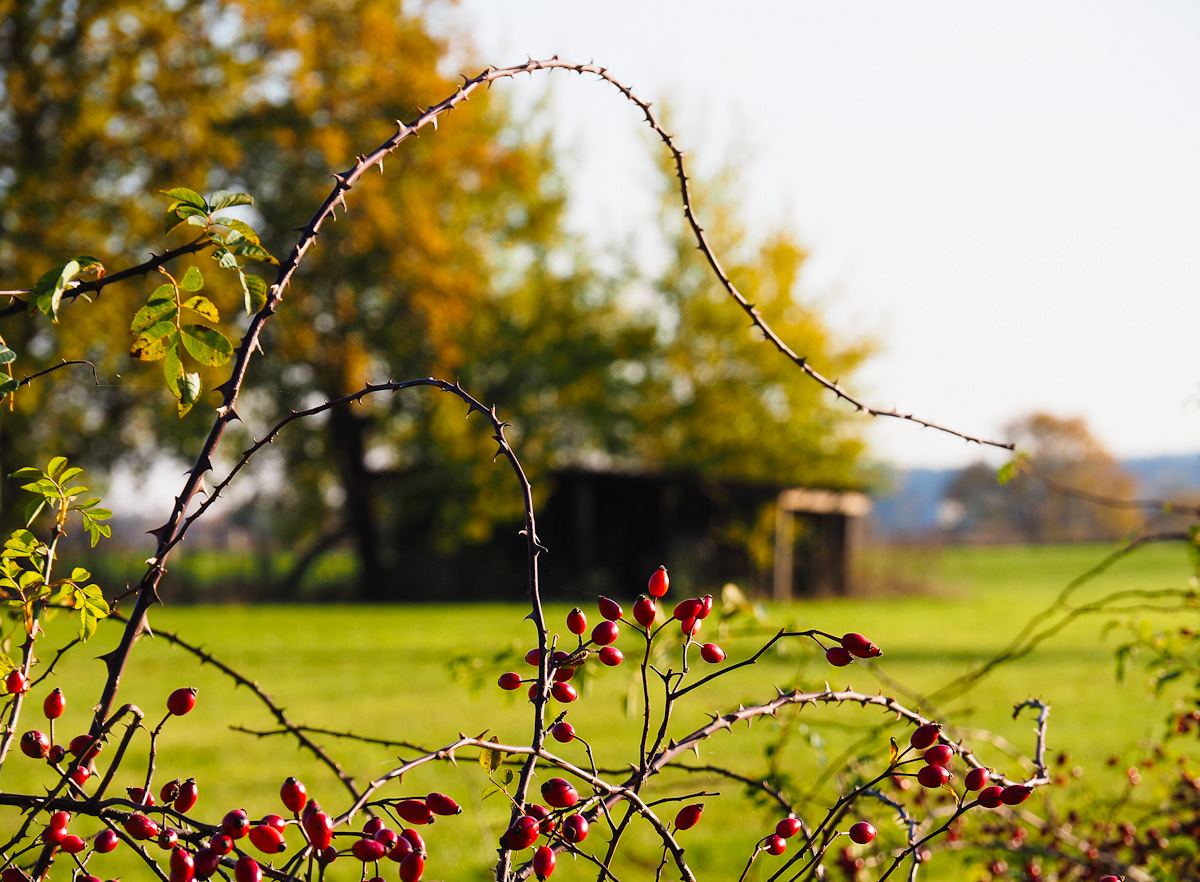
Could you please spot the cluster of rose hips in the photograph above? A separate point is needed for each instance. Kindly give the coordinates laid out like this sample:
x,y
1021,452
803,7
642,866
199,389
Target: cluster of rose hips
x,y
541,820
936,771
861,832
851,646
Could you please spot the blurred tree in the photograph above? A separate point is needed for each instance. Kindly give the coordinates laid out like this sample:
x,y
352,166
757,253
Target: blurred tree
x,y
454,263
1056,493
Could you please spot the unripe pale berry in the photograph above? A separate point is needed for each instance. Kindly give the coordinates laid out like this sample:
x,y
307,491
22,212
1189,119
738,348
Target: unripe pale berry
x,y
563,732
564,692
605,633
933,776
939,755
989,797
575,828
925,735
611,656
609,608
543,862
644,611
293,794
774,844
688,816
976,779
860,646
54,705
576,621
838,656
415,811
862,832
712,653
441,804
659,582
788,827
510,680
181,701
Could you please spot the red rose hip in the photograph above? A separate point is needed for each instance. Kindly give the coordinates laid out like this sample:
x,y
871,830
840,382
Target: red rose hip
x,y
862,832
609,608
441,804
712,653
659,583
925,736
644,611
611,656
54,705
181,701
688,816
543,862
293,795
605,633
576,621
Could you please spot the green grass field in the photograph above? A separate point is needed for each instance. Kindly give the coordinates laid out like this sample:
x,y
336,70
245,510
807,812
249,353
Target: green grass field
x,y
391,672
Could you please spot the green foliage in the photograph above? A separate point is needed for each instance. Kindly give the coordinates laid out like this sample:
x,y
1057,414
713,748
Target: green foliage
x,y
50,487
48,292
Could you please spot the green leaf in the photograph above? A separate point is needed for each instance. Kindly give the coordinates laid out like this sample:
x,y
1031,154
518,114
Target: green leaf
x,y
57,464
173,370
165,291
6,664
6,354
206,345
189,392
8,384
26,472
1006,472
491,759
79,574
254,252
69,474
192,280
21,542
245,231
204,307
32,509
225,199
225,258
92,608
181,196
154,343
255,290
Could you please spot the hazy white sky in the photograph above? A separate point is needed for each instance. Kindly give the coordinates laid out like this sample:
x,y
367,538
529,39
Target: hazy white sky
x,y
1007,196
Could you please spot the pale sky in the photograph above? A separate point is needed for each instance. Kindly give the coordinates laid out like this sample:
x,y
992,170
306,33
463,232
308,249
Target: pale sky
x,y
1005,195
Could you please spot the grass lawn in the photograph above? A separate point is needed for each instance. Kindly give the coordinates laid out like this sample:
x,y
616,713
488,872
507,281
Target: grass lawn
x,y
424,674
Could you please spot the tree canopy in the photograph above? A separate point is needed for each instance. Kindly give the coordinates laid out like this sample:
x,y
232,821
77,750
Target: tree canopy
x,y
455,263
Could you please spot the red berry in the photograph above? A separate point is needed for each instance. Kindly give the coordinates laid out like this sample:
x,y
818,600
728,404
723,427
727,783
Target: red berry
x,y
862,832
522,834
267,839
399,849
57,754
140,827
712,653
933,776
609,608
85,747
72,844
388,837
54,705
788,827
54,835
247,870
1110,878
611,656
167,838
80,775
441,804
706,605
415,811
559,793
644,611
59,820
989,797
688,816
774,844
860,646
533,657
414,839
106,841
181,701
35,744
236,824
546,823
1015,794
368,850
183,865
939,755
689,627
605,633
688,609
170,790
562,672
659,582
543,862
319,829
976,779
575,828
293,794
838,657
563,732
327,855
189,792
576,621
510,680
206,862
13,874
411,867
925,735
16,682
220,844
564,692
140,796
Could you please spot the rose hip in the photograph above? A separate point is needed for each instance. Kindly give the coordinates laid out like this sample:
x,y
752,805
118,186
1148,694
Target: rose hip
x,y
659,582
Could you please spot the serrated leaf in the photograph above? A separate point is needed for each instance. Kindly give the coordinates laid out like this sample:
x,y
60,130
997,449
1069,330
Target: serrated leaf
x,y
6,354
154,343
491,759
224,257
69,474
189,392
184,196
165,291
173,370
225,199
192,280
21,541
244,231
32,509
8,384
56,465
254,252
203,306
206,345
255,290
26,472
